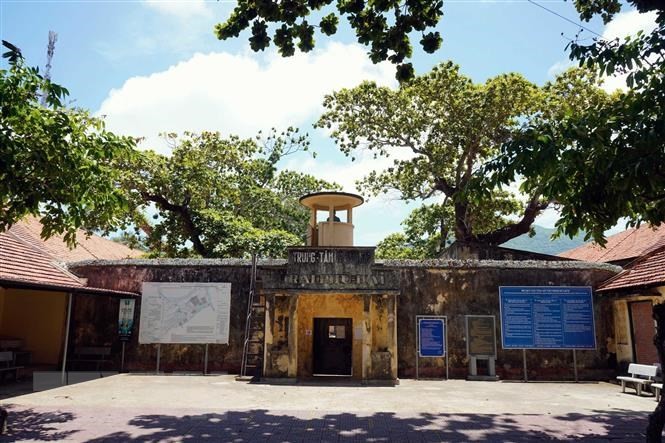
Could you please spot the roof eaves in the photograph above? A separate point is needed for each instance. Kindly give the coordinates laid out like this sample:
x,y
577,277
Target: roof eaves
x,y
627,270
28,284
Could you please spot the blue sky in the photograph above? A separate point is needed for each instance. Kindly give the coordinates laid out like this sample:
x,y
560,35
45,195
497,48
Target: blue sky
x,y
152,66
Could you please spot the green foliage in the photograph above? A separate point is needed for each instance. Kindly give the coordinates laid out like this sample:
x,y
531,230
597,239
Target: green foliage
x,y
383,25
607,161
398,246
426,233
131,241
429,229
56,162
222,197
442,127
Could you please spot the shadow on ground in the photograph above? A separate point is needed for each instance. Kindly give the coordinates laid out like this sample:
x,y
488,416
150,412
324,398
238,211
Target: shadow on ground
x,y
262,425
28,424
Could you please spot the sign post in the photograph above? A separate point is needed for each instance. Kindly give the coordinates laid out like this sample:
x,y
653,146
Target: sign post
x,y
159,355
205,361
432,338
526,375
547,317
125,325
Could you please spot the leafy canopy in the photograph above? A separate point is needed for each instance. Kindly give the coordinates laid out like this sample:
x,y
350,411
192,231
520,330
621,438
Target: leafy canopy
x,y
383,25
56,161
441,127
608,161
222,197
429,229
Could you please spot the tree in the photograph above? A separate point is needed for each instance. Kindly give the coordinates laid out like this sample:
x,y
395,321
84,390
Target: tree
x,y
384,26
131,240
429,229
629,136
221,197
56,162
444,127
607,162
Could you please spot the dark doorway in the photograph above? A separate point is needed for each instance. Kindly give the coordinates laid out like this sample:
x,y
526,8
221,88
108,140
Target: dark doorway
x,y
332,346
643,329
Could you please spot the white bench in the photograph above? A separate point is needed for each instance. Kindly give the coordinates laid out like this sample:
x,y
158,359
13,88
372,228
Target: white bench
x,y
640,376
8,364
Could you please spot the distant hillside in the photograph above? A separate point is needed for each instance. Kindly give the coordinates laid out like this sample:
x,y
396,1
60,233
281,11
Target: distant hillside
x,y
541,242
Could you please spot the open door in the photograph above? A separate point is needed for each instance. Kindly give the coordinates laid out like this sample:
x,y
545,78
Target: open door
x,y
332,346
643,329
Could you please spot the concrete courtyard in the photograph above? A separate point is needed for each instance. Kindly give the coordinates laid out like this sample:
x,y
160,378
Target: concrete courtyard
x,y
153,408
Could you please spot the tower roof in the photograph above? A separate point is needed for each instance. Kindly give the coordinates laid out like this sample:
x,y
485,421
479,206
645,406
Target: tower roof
x,y
339,200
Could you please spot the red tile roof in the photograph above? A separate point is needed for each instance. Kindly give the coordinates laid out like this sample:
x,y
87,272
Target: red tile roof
x,y
646,271
27,260
625,245
87,248
23,262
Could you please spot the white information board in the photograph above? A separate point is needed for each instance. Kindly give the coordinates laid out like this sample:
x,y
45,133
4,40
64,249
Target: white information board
x,y
185,313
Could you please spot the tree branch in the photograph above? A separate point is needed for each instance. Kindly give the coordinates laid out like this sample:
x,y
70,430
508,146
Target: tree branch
x,y
185,216
513,230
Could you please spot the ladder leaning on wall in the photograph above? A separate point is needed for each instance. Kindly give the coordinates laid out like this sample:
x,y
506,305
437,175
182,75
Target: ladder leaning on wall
x,y
252,349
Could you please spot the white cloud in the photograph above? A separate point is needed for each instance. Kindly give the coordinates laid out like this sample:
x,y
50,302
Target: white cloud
x,y
346,172
559,67
629,23
238,93
623,25
180,8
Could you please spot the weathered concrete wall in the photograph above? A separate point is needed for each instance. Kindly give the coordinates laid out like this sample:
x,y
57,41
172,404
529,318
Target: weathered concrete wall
x,y
471,290
442,287
374,350
619,304
88,328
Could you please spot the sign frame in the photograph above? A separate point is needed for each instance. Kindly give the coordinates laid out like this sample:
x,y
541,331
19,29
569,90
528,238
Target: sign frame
x,y
444,326
468,339
225,288
444,320
563,347
126,320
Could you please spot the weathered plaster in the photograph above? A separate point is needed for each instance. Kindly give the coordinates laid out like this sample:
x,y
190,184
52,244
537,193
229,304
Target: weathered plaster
x,y
444,287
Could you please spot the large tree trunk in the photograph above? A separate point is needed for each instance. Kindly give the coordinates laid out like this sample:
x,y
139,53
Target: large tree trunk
x,y
657,417
462,228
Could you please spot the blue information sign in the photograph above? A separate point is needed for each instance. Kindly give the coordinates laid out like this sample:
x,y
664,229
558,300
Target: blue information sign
x,y
547,317
431,336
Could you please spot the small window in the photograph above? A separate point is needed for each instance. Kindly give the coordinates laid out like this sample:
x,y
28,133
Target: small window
x,y
336,331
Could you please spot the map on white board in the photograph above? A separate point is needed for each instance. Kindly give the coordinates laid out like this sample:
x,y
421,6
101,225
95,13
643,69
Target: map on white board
x,y
185,313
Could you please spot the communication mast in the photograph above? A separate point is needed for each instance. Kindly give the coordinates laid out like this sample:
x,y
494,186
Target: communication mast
x,y
50,49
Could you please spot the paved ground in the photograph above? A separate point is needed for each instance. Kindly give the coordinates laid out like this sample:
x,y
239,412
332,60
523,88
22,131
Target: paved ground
x,y
216,408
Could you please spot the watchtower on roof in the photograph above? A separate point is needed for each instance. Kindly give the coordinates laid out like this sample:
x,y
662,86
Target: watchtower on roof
x,y
333,230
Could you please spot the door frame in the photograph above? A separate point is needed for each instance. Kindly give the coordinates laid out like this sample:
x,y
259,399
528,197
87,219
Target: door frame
x,y
629,305
314,353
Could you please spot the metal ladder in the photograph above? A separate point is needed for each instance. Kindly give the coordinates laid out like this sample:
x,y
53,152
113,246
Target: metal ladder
x,y
252,349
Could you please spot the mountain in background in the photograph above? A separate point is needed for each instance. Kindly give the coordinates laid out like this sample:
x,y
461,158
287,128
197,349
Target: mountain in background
x,y
542,243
